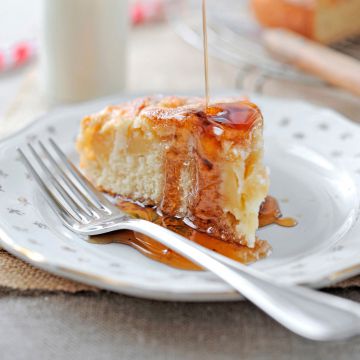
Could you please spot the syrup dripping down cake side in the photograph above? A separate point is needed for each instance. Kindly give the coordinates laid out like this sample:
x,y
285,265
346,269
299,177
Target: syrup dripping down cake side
x,y
202,165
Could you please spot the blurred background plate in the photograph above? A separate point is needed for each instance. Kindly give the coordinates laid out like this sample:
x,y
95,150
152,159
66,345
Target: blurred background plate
x,y
235,37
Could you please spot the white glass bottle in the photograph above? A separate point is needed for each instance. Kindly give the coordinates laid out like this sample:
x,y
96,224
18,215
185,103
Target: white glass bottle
x,y
83,51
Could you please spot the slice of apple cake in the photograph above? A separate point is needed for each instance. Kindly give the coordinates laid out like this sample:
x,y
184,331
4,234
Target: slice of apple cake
x,y
204,165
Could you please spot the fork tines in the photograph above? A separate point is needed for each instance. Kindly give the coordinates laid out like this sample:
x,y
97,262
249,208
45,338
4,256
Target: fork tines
x,y
73,198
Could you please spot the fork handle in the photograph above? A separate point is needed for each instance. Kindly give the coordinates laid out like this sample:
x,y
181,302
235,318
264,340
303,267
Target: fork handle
x,y
309,313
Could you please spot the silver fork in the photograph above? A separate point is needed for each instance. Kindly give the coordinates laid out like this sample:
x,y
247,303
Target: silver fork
x,y
86,211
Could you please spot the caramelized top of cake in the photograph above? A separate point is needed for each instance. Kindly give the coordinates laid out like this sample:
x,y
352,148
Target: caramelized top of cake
x,y
230,120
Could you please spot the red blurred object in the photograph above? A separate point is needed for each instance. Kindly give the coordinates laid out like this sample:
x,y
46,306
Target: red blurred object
x,y
147,11
2,63
16,54
22,52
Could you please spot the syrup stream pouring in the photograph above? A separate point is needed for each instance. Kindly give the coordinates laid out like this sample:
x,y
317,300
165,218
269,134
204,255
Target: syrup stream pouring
x,y
206,58
85,211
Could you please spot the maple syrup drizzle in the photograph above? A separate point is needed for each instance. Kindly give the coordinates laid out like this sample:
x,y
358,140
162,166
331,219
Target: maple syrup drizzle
x,y
269,214
196,150
236,115
206,58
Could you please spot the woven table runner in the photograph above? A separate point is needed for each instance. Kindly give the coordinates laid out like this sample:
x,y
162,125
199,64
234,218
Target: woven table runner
x,y
15,274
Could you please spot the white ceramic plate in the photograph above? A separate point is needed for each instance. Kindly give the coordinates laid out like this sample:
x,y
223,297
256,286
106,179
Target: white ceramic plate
x,y
314,159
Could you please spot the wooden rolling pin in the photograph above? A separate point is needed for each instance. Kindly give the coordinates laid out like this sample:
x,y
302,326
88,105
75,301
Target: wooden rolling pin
x,y
330,65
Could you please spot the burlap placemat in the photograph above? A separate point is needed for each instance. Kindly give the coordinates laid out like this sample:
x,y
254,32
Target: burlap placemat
x,y
16,275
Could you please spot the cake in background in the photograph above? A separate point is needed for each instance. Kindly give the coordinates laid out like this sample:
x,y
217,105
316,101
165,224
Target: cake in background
x,y
202,165
326,21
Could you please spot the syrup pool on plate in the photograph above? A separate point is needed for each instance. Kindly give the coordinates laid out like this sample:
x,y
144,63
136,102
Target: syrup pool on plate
x,y
269,214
